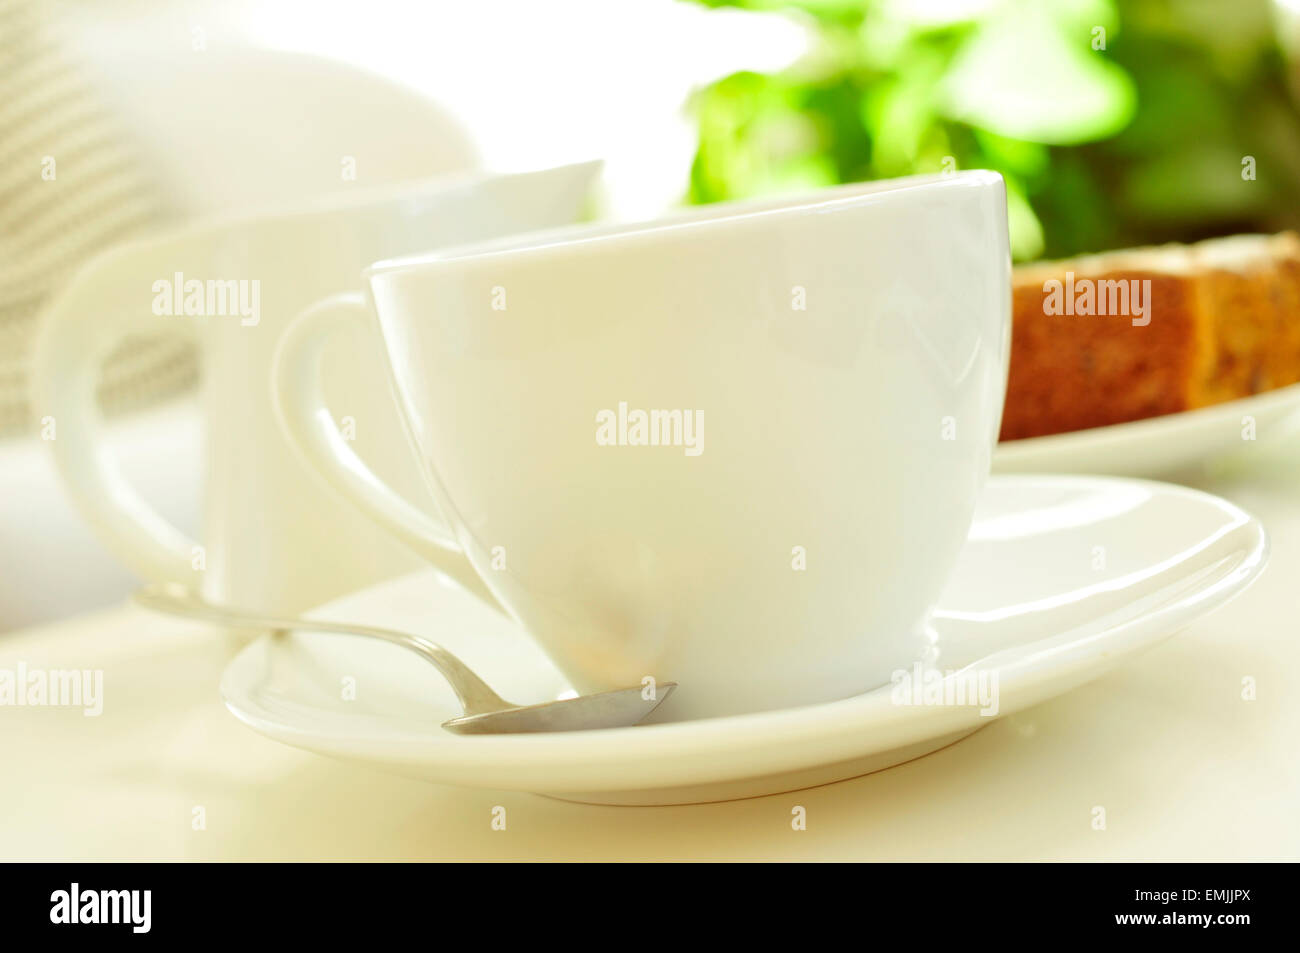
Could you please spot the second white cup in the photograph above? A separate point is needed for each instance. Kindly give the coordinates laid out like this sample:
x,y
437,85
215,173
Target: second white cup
x,y
273,539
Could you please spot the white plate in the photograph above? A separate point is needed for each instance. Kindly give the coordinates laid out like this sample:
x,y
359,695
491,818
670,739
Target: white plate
x,y
1157,446
1061,579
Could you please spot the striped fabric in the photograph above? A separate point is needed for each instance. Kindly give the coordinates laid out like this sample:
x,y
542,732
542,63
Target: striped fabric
x,y
69,187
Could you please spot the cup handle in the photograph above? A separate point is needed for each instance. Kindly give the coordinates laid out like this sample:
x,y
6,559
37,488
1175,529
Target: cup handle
x,y
77,334
306,419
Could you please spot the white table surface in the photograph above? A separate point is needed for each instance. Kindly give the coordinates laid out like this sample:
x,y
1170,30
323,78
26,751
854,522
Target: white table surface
x,y
1184,767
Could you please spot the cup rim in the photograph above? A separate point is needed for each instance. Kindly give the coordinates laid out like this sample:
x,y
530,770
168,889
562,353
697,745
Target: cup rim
x,y
555,241
368,197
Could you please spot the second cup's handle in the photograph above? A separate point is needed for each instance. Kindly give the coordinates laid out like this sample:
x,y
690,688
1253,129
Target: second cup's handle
x,y
306,419
104,304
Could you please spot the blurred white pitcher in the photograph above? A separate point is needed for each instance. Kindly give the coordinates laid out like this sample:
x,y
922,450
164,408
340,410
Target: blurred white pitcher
x,y
274,538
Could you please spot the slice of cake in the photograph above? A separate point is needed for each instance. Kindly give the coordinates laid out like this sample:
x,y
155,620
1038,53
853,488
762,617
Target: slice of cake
x,y
1125,335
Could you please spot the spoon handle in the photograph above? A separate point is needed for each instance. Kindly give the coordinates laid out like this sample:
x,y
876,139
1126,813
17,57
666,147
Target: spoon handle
x,y
476,697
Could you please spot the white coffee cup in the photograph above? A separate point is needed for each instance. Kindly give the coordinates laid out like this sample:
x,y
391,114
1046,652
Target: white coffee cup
x,y
831,371
272,537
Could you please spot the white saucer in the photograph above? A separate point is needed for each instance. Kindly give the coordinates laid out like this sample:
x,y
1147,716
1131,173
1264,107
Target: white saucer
x,y
1158,446
1062,578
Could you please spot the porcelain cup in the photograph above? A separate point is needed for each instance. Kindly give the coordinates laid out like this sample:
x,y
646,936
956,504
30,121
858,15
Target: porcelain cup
x,y
738,448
